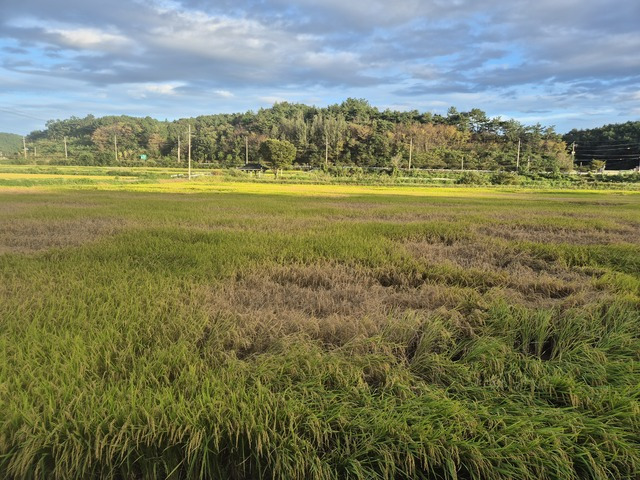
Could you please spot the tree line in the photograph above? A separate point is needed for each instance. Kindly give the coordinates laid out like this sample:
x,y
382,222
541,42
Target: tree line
x,y
352,133
617,146
10,144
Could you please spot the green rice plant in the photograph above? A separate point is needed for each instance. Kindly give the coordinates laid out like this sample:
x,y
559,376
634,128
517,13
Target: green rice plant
x,y
266,330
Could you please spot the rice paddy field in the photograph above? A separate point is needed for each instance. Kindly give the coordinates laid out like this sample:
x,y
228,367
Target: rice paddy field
x,y
210,328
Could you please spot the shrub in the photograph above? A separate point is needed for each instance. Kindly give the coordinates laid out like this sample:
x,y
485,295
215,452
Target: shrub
x,y
505,178
19,161
472,178
86,158
353,172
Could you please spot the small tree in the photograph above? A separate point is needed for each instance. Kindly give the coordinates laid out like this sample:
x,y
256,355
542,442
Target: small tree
x,y
598,165
277,154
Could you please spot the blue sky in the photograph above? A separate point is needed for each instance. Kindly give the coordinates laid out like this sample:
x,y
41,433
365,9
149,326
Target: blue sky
x,y
568,63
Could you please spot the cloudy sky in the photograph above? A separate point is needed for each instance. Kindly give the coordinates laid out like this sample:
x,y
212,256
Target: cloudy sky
x,y
566,63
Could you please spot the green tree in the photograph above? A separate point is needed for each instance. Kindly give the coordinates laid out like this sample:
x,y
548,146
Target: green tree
x,y
597,165
9,144
278,154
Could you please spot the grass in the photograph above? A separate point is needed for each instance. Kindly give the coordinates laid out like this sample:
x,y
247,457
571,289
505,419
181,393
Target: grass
x,y
31,175
222,329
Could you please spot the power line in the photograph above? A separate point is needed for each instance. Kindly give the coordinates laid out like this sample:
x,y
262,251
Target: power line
x,y
20,114
604,149
582,144
612,153
613,163
622,149
609,155
617,160
619,157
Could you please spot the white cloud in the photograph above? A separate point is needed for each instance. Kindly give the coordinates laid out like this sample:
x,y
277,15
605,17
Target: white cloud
x,y
218,37
224,93
323,60
154,89
512,59
91,39
271,99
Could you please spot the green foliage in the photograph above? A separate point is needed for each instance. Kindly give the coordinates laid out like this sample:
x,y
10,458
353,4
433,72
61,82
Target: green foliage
x,y
446,334
618,144
85,158
278,154
10,144
620,178
472,178
352,133
505,178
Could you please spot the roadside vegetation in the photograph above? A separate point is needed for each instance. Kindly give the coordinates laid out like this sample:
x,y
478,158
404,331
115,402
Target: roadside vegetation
x,y
227,328
34,175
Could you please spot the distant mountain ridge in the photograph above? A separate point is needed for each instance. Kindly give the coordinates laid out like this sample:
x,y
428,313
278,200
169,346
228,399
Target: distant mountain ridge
x,y
10,143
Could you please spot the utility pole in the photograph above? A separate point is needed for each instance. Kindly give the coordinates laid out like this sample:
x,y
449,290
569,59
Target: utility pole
x,y
179,149
410,151
35,152
115,146
462,164
528,162
518,158
326,151
189,151
24,146
65,147
573,155
246,150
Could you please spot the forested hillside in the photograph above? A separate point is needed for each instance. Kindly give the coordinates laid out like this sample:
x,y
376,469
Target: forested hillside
x,y
9,144
616,144
351,133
